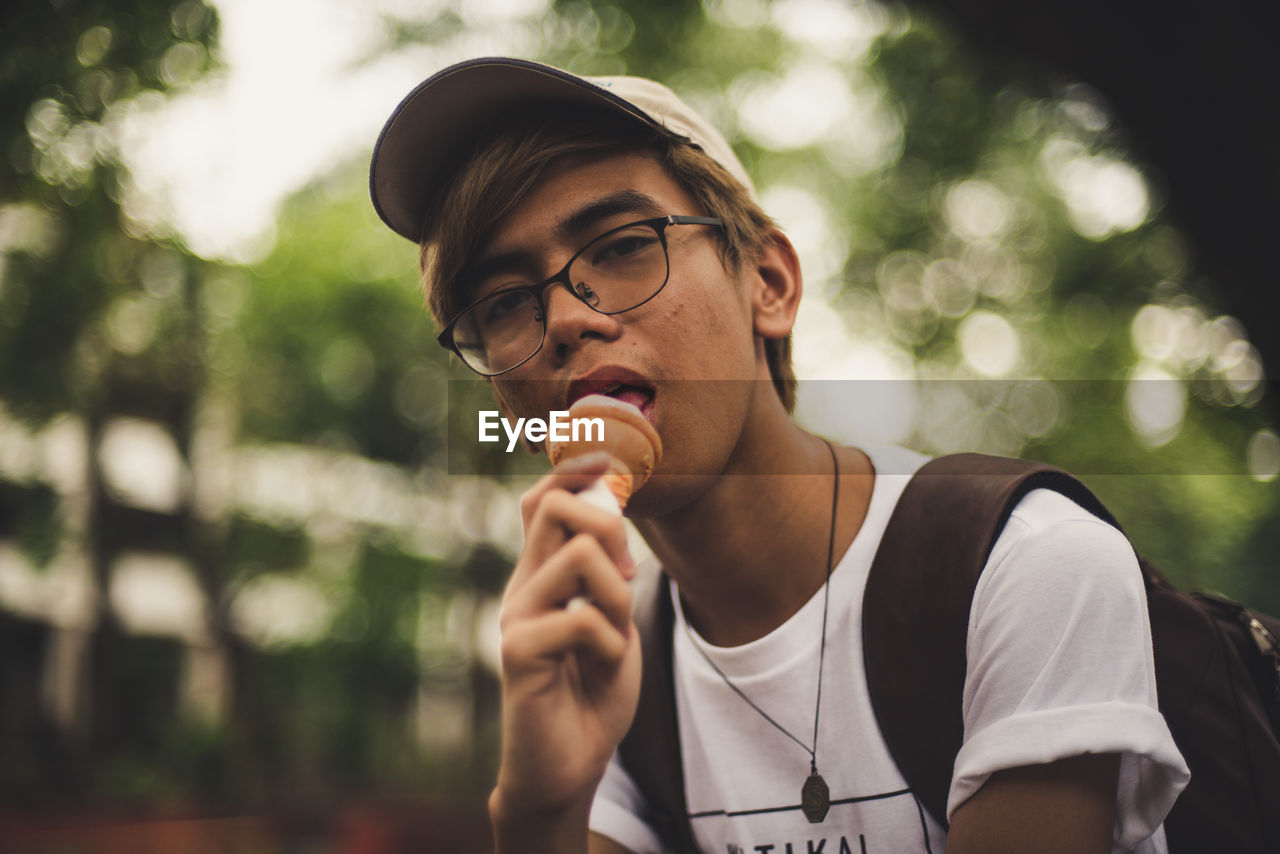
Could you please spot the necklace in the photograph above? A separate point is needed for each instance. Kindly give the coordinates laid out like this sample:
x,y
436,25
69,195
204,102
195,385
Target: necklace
x,y
815,796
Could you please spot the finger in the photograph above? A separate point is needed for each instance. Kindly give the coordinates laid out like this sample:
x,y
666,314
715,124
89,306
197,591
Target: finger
x,y
561,516
572,475
580,568
555,634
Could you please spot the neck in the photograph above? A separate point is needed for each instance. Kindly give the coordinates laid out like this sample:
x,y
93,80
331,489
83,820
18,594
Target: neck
x,y
749,550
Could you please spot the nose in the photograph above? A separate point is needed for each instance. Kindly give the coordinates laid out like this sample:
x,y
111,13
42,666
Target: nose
x,y
570,321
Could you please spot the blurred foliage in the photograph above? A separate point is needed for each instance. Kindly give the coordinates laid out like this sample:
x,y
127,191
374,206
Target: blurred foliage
x,y
327,344
253,546
70,255
31,516
324,346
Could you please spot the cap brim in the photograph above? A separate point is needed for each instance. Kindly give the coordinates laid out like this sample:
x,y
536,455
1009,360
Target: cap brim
x,y
440,120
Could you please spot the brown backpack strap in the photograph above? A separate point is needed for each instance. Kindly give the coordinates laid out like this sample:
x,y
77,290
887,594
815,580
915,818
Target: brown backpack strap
x,y
915,611
651,749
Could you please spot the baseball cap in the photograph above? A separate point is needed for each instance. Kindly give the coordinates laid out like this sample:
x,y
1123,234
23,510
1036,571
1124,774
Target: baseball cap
x,y
443,118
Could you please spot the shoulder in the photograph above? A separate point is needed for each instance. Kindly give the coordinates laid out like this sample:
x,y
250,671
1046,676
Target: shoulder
x,y
1053,564
1042,509
1048,534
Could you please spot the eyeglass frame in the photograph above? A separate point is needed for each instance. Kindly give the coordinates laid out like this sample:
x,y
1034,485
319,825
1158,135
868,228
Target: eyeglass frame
x,y
659,224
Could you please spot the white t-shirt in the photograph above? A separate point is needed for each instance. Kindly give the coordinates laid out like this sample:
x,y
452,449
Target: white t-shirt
x,y
1059,664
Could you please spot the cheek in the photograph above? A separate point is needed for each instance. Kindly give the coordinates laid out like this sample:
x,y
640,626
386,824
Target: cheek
x,y
522,398
719,330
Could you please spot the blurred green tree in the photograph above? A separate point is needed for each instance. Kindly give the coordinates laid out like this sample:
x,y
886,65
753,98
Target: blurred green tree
x,y
97,319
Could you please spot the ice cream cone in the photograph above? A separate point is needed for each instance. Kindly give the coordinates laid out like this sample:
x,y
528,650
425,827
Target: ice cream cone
x,y
632,444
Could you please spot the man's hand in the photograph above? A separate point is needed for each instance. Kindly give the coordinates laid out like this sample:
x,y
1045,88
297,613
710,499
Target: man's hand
x,y
570,665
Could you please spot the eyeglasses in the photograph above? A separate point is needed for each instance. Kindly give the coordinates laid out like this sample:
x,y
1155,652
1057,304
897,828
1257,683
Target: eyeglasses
x,y
620,270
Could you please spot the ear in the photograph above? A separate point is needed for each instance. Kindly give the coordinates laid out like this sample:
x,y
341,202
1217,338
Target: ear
x,y
776,286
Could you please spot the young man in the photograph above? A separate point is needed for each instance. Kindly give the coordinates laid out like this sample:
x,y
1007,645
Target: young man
x,y
585,236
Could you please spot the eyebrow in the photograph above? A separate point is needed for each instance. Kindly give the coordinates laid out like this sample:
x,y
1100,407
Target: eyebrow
x,y
623,201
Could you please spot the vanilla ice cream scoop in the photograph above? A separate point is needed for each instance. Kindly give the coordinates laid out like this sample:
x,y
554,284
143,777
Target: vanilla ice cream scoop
x,y
632,444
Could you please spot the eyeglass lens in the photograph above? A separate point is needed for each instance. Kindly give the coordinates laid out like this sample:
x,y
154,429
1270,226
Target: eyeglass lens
x,y
614,273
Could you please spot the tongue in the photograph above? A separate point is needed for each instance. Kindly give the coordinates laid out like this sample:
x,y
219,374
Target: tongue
x,y
637,397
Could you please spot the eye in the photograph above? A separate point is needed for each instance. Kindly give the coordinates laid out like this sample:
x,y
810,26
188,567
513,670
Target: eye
x,y
502,306
494,286
624,246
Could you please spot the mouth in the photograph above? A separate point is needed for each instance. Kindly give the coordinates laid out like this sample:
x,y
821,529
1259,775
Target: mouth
x,y
617,383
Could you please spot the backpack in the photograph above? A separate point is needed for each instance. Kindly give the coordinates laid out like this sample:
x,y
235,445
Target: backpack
x,y
1217,665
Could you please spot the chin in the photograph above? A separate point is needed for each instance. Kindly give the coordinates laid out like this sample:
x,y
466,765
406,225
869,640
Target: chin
x,y
665,494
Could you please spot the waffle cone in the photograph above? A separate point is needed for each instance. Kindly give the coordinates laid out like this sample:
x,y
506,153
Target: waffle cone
x,y
632,444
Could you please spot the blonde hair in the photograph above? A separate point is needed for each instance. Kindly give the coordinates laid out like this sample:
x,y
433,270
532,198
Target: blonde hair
x,y
505,169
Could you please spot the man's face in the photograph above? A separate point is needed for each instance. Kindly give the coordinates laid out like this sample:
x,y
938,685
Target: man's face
x,y
660,354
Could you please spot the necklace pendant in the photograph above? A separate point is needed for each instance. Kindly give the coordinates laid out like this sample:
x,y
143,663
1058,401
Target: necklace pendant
x,y
815,798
